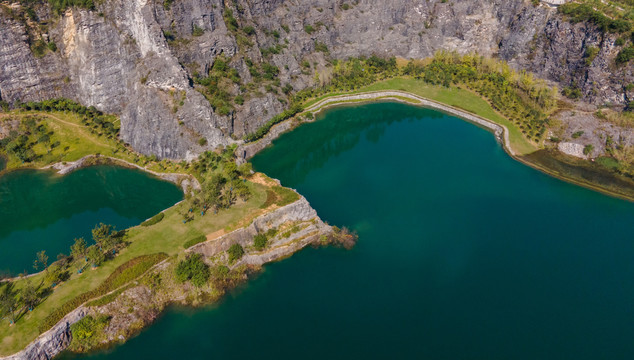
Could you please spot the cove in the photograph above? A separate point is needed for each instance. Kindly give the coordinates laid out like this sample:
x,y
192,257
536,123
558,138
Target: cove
x,y
463,253
40,210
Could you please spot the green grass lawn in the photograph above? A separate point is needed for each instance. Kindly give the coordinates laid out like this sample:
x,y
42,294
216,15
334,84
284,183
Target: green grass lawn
x,y
453,96
167,236
76,141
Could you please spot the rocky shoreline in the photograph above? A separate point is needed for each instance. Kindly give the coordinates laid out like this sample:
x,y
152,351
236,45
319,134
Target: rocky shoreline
x,y
185,181
148,302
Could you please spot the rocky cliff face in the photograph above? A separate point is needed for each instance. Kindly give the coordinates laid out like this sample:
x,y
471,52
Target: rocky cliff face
x,y
118,57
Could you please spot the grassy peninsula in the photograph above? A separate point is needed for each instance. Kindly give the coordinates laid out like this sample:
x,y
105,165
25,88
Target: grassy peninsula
x,y
96,271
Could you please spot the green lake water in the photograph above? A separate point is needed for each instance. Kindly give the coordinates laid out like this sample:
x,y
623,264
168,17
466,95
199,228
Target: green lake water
x,y
463,253
40,210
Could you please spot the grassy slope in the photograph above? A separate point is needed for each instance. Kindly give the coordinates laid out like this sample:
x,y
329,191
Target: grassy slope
x,y
453,96
167,236
71,133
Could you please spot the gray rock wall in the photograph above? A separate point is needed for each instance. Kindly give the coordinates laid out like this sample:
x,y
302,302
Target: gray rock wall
x,y
118,59
52,342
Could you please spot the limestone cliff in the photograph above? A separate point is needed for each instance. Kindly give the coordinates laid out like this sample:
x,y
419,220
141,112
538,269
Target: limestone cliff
x,y
137,58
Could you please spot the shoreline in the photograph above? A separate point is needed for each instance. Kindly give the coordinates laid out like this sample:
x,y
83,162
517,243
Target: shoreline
x,y
58,338
500,131
184,181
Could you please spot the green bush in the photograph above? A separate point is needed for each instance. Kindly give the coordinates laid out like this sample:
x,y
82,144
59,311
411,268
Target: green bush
x,y
236,251
197,240
309,29
249,30
193,268
123,274
260,241
585,12
625,55
153,220
88,326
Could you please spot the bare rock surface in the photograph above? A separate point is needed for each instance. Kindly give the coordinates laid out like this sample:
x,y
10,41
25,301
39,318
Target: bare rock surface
x,y
119,59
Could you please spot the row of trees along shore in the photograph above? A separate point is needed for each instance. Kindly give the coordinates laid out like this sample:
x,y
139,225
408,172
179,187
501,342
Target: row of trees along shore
x,y
14,302
520,96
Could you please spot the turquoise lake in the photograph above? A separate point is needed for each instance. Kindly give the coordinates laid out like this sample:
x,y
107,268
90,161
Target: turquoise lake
x,y
40,210
463,253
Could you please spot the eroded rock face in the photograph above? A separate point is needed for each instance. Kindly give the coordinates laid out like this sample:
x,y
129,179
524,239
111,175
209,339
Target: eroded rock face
x,y
52,342
118,59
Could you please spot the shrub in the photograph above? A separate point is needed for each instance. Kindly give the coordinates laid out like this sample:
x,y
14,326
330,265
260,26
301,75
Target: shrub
x,y
249,30
259,241
193,268
236,251
625,55
197,31
239,99
309,29
588,149
153,220
577,134
88,326
197,240
202,141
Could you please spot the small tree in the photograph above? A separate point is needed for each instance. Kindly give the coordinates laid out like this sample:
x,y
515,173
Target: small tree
x,y
95,255
236,251
41,261
259,241
28,295
8,301
78,249
101,233
193,268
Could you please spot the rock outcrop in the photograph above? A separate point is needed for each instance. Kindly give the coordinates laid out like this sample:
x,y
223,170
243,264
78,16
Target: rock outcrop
x,y
303,228
138,58
52,342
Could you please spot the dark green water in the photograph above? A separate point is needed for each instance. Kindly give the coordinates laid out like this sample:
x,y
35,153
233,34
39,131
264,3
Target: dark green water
x,y
40,210
463,254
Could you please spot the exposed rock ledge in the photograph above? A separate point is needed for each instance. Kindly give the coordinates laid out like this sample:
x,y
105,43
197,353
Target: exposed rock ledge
x,y
52,342
572,149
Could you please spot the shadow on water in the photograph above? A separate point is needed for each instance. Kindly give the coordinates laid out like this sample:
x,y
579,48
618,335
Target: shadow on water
x,y
315,148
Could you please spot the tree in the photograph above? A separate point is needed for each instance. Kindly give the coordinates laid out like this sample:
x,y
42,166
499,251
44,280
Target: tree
x,y
259,241
41,260
28,295
236,251
193,268
101,233
95,255
78,249
8,301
